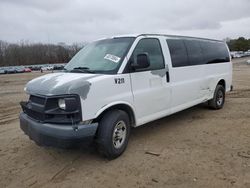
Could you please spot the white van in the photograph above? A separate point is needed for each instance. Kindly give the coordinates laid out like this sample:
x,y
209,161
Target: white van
x,y
117,83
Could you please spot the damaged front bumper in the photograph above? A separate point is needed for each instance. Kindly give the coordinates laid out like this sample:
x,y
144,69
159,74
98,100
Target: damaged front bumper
x,y
57,135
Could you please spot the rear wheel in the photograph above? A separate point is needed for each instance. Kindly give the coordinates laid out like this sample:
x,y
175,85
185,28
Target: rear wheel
x,y
113,133
217,102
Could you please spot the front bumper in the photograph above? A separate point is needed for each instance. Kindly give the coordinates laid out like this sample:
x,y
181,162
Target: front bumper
x,y
61,136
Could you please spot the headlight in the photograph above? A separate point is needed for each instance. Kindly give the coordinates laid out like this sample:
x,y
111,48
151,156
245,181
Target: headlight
x,y
62,104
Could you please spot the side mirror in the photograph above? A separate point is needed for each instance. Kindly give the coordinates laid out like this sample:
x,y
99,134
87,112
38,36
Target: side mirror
x,y
142,61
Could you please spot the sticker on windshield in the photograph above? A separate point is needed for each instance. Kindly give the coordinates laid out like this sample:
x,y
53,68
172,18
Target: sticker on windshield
x,y
113,58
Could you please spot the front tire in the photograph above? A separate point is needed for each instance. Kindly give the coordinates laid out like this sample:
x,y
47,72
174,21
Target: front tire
x,y
113,133
217,102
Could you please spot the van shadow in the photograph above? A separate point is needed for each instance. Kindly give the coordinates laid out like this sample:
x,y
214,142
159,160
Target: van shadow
x,y
167,123
171,121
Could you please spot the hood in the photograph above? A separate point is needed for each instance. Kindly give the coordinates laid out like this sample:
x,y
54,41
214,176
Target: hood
x,y
60,84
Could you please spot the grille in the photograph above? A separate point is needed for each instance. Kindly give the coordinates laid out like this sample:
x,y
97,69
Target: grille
x,y
45,109
38,100
27,109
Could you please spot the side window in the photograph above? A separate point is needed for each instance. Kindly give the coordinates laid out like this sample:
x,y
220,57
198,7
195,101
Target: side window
x,y
214,52
178,52
153,48
194,51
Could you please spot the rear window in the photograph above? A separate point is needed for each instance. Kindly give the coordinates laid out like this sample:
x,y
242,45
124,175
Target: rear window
x,y
214,52
178,52
187,52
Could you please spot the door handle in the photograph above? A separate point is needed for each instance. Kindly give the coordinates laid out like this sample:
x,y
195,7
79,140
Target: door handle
x,y
167,76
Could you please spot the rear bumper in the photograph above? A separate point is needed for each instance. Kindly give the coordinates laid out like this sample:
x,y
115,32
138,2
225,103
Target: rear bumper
x,y
61,136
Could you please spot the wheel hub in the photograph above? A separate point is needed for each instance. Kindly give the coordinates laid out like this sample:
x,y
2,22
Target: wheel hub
x,y
220,98
119,134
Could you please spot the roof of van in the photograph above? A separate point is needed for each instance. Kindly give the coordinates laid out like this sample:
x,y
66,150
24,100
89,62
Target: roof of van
x,y
165,35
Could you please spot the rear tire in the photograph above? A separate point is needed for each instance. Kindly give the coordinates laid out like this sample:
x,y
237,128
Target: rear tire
x,y
217,102
113,133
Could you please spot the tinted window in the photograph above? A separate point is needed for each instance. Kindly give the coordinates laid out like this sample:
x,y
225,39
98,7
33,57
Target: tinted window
x,y
214,52
194,52
153,49
178,52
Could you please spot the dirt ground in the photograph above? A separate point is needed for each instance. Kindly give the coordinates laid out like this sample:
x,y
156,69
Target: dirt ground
x,y
197,147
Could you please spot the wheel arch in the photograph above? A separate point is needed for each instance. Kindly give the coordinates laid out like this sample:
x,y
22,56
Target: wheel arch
x,y
128,108
222,82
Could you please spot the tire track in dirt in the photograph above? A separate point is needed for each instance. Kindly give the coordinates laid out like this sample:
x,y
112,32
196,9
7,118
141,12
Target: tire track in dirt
x,y
9,129
239,93
8,110
9,93
9,114
8,121
12,82
60,175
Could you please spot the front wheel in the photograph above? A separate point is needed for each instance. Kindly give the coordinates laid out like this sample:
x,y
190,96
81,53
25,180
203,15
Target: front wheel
x,y
217,102
113,133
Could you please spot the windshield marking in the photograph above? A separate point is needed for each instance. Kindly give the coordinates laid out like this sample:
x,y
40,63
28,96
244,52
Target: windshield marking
x,y
112,58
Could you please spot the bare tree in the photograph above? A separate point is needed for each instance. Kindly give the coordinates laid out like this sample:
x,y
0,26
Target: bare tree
x,y
25,53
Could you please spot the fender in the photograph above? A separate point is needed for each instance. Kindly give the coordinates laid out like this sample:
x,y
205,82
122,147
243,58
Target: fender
x,y
107,106
214,82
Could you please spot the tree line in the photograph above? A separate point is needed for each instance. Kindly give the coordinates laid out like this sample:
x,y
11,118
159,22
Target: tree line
x,y
240,44
37,53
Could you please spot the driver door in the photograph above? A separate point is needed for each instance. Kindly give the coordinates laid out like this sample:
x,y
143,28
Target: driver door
x,y
150,86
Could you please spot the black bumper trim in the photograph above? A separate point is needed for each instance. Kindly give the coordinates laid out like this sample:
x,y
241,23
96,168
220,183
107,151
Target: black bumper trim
x,y
56,135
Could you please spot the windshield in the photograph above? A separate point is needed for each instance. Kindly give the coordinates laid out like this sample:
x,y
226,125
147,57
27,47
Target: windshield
x,y
104,56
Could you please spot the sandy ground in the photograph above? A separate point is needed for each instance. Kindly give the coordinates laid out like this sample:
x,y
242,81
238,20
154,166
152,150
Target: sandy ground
x,y
197,147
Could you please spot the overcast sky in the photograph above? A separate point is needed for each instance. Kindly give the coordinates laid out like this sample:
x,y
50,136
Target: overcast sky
x,y
85,20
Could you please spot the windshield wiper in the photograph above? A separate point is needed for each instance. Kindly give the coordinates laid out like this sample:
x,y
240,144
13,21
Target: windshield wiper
x,y
82,69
